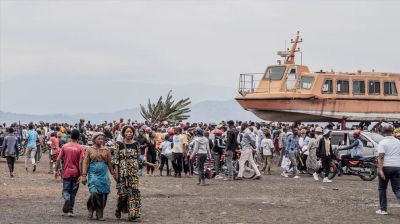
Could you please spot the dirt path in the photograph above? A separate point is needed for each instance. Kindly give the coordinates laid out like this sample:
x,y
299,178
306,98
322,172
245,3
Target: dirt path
x,y
36,198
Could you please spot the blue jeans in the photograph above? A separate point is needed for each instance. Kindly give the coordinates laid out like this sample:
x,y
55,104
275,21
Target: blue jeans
x,y
70,188
229,163
392,174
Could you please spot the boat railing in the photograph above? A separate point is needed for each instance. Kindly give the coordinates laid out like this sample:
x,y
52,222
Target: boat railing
x,y
248,83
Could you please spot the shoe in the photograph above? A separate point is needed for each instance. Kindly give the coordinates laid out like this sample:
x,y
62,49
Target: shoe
x,y
70,214
296,177
65,208
34,168
269,173
227,179
315,175
257,177
26,168
326,180
11,175
381,212
284,175
238,178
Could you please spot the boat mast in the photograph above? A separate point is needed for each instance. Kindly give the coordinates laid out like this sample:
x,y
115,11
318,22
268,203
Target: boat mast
x,y
293,50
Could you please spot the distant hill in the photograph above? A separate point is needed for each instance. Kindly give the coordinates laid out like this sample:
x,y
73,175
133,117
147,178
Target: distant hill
x,y
206,111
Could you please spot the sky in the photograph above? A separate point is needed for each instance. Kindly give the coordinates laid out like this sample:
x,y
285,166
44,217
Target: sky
x,y
82,56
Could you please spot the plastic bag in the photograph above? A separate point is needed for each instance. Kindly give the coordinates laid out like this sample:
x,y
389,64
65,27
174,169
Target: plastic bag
x,y
168,153
286,164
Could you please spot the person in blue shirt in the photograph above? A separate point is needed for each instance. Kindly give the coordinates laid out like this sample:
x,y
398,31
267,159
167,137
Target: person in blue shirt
x,y
32,138
356,148
292,151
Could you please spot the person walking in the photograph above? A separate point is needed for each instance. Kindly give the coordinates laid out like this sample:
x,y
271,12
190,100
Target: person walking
x,y
10,150
72,156
201,149
282,143
292,150
231,147
31,137
304,140
95,166
312,162
127,161
388,168
325,154
54,151
248,143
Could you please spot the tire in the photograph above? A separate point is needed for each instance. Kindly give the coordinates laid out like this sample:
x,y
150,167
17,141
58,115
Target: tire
x,y
248,172
22,151
370,171
332,172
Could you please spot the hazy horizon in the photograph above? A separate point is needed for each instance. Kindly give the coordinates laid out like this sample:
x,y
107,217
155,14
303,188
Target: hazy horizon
x,y
101,56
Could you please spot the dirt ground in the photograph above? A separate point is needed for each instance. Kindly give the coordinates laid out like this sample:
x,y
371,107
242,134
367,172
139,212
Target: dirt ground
x,y
36,198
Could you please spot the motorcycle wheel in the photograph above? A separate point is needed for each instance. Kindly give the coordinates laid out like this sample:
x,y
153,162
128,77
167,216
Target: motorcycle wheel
x,y
248,172
369,172
332,172
22,151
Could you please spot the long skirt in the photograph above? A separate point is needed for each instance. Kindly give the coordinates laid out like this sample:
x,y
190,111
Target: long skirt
x,y
99,186
129,196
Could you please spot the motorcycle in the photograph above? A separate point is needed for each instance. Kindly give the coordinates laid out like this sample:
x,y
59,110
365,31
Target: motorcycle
x,y
364,167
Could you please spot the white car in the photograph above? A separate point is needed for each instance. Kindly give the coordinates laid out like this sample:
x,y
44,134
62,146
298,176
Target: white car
x,y
370,141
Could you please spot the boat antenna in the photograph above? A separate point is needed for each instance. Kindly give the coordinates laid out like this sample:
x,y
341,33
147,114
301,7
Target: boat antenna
x,y
293,50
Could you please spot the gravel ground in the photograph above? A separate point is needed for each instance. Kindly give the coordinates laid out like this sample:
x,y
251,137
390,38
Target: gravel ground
x,y
36,198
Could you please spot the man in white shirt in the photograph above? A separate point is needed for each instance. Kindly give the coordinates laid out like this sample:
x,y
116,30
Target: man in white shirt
x,y
178,149
388,168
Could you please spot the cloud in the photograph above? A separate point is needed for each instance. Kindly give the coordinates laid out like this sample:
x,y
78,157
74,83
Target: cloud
x,y
174,43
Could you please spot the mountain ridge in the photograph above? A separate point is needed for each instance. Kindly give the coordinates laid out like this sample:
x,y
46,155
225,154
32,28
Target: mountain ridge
x,y
205,111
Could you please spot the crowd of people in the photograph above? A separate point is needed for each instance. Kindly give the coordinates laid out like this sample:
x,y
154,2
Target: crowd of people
x,y
86,153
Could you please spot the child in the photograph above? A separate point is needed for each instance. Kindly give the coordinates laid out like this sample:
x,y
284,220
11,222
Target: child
x,y
267,146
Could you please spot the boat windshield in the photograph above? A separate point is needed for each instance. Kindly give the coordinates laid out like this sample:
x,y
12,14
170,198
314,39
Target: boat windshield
x,y
374,136
274,73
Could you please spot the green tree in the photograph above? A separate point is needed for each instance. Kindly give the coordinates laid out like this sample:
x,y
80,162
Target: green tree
x,y
166,110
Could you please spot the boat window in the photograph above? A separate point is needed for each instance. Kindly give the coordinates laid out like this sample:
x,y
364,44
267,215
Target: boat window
x,y
359,87
328,86
342,86
306,82
374,87
274,73
389,88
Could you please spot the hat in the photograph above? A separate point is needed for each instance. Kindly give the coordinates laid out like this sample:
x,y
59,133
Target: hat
x,y
318,129
327,132
97,134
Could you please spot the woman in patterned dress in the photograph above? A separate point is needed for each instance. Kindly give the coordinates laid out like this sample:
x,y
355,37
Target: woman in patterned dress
x,y
127,163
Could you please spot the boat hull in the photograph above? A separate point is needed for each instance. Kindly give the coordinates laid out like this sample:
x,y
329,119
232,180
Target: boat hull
x,y
313,109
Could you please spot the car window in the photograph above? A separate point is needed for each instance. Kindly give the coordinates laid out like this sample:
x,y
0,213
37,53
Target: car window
x,y
364,141
337,138
351,139
374,136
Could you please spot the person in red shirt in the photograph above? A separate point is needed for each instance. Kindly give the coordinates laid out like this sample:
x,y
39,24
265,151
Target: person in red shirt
x,y
72,156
